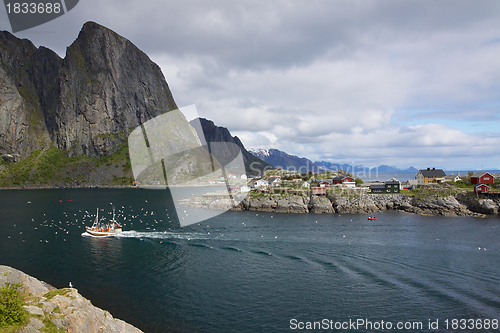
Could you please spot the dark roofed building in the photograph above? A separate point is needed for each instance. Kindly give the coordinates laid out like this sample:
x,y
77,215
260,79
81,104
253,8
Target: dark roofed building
x,y
430,176
482,188
377,188
482,178
342,179
391,186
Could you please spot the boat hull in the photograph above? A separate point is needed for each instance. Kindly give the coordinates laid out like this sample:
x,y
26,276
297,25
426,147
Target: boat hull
x,y
98,233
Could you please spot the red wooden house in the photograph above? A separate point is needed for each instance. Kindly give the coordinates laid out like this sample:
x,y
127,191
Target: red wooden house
x,y
318,190
482,178
342,179
482,188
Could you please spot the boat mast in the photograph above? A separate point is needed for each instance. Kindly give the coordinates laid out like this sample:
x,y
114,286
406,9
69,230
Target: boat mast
x,y
96,218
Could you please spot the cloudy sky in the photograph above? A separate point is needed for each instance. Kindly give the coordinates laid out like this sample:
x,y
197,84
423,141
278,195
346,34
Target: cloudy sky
x,y
365,82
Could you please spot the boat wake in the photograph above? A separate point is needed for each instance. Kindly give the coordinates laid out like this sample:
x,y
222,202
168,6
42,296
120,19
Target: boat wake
x,y
167,235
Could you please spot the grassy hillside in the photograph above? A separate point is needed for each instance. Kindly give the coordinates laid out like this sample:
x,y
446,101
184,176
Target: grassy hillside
x,y
51,167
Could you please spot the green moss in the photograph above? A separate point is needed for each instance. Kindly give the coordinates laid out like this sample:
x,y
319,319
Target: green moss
x,y
49,326
52,293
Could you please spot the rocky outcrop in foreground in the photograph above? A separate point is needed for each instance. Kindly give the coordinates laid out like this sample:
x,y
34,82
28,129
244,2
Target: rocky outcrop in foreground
x,y
459,205
64,309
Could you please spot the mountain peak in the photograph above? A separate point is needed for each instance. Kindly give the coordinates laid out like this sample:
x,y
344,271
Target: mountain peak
x,y
209,132
86,103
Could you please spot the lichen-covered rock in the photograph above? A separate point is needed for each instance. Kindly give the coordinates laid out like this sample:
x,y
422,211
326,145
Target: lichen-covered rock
x,y
459,205
488,206
75,314
320,205
30,284
292,204
263,204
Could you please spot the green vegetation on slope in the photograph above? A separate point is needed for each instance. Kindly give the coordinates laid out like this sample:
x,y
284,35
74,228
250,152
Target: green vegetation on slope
x,y
12,312
51,167
13,316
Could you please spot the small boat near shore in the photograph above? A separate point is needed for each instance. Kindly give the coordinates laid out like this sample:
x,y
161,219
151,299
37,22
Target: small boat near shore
x,y
102,229
372,218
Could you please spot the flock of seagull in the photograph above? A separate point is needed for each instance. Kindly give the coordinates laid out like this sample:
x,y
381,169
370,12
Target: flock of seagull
x,y
143,218
62,227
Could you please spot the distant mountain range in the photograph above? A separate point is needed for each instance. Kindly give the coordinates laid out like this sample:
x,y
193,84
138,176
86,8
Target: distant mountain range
x,y
280,159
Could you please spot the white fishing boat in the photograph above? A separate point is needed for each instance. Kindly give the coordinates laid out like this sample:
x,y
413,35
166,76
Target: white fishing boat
x,y
104,229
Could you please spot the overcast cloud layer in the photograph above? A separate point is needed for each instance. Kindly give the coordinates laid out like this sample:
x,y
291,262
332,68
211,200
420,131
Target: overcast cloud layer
x,y
365,82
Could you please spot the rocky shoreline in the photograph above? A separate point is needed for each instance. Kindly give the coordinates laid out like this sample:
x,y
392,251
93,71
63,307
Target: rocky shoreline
x,y
463,204
61,309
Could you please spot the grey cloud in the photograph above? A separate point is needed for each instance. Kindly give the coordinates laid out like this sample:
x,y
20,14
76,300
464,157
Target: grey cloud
x,y
306,72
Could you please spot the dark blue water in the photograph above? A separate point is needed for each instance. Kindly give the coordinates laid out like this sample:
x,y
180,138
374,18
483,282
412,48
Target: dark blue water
x,y
254,272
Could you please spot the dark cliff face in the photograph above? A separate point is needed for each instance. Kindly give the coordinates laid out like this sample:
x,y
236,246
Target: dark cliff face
x,y
212,133
22,128
86,103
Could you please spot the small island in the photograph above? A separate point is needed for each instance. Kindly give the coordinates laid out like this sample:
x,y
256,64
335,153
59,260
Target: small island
x,y
283,191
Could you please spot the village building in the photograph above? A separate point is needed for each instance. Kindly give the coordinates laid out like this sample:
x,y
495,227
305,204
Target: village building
x,y
275,181
342,180
245,188
324,183
316,190
452,178
390,186
430,176
393,186
377,188
482,178
482,188
261,183
347,181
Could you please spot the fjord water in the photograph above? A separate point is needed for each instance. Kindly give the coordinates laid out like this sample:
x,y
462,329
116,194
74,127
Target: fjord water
x,y
253,271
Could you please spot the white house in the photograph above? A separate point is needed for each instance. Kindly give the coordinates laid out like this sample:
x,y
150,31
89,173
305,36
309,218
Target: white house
x,y
262,183
452,178
275,181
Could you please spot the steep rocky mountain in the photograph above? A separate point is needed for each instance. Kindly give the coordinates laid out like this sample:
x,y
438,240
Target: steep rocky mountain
x,y
209,133
86,103
67,122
